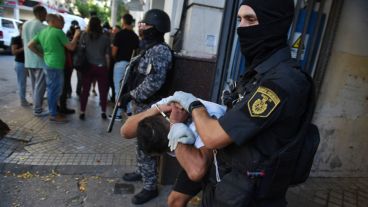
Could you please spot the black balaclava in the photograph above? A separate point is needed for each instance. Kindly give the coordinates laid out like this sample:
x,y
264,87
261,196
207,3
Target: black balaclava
x,y
261,41
152,36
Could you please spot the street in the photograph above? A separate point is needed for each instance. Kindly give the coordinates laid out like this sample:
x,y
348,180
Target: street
x,y
44,164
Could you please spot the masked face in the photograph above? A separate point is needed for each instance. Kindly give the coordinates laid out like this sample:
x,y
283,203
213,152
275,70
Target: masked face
x,y
247,17
263,28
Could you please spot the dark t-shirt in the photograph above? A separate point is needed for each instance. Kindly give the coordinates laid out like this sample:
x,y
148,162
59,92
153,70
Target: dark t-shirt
x,y
18,41
126,41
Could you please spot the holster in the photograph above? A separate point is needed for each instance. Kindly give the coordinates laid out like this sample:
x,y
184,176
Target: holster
x,y
235,190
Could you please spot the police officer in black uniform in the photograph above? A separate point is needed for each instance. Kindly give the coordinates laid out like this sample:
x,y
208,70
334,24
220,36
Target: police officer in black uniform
x,y
268,106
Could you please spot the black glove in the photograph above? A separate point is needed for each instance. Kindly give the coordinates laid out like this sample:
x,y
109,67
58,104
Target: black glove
x,y
124,100
226,98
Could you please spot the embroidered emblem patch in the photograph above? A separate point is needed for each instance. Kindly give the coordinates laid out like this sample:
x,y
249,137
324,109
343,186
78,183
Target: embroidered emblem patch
x,y
148,70
263,102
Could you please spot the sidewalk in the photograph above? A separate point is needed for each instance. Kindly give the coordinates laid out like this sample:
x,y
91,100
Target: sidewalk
x,y
46,164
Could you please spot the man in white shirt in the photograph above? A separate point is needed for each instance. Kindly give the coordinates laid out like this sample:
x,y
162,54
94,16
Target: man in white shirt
x,y
33,62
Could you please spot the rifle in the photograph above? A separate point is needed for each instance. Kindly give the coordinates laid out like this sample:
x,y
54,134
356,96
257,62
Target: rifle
x,y
128,68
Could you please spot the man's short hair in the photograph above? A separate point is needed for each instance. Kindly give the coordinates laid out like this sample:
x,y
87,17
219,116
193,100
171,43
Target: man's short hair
x,y
52,17
74,23
152,134
128,19
37,10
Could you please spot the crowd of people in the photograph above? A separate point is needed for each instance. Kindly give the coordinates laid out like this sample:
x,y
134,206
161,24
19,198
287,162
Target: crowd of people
x,y
45,54
233,154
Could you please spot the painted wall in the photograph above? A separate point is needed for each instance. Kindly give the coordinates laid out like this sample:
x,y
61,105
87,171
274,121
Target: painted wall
x,y
342,108
202,28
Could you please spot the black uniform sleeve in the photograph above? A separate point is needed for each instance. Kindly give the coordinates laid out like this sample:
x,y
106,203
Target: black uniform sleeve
x,y
255,113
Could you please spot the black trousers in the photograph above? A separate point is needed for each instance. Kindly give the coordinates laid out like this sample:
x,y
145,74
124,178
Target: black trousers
x,y
64,94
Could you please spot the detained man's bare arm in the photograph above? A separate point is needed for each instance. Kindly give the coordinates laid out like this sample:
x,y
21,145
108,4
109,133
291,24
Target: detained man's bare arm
x,y
194,161
129,129
210,130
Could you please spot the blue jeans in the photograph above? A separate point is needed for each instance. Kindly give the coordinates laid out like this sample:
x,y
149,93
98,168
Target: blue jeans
x,y
119,70
22,80
54,83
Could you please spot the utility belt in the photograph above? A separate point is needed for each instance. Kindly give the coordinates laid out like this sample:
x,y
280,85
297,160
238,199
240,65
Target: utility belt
x,y
228,186
236,183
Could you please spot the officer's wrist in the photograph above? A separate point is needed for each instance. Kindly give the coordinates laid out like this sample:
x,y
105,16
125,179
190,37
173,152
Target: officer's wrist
x,y
194,105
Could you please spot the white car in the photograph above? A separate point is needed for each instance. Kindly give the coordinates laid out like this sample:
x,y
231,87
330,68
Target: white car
x,y
8,30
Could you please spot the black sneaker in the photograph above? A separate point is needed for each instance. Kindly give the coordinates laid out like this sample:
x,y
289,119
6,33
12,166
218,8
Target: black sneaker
x,y
103,116
132,176
66,111
82,116
144,196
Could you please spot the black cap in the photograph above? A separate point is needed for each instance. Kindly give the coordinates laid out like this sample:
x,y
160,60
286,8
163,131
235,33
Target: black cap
x,y
159,19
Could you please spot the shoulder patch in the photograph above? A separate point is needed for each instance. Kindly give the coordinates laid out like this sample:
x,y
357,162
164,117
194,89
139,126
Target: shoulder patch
x,y
263,102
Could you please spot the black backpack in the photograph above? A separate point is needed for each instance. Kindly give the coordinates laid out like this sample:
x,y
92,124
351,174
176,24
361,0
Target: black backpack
x,y
308,140
292,164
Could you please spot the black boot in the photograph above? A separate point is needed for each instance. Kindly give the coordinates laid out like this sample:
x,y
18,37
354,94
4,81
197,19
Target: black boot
x,y
65,110
132,176
144,196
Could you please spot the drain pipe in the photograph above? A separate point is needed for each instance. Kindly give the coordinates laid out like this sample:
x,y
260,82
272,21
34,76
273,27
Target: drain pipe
x,y
327,43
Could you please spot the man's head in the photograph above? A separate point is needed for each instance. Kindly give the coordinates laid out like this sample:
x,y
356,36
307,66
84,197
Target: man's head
x,y
154,25
94,25
106,28
74,23
40,12
152,135
127,20
55,20
263,27
158,19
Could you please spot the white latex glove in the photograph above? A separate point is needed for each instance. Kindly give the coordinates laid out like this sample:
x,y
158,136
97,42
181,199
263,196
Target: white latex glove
x,y
183,98
162,101
180,132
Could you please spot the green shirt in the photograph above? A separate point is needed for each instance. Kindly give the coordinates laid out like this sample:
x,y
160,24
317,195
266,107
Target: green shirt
x,y
52,41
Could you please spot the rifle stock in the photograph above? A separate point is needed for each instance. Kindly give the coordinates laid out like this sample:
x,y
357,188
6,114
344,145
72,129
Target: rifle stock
x,y
128,68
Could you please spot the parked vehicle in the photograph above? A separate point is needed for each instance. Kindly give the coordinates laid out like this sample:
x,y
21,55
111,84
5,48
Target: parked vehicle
x,y
68,18
8,30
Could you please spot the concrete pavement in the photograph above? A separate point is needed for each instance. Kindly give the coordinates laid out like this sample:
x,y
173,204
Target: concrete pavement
x,y
45,164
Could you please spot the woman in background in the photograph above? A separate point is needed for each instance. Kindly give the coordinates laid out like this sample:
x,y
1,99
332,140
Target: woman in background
x,y
98,57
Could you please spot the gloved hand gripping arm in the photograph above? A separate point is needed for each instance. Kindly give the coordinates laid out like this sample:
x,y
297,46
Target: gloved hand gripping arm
x,y
180,132
183,98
